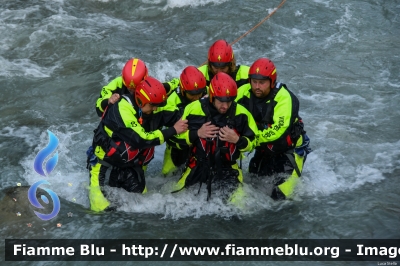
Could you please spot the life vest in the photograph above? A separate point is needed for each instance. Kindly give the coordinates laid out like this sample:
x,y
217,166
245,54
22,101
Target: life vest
x,y
117,152
219,153
289,139
214,155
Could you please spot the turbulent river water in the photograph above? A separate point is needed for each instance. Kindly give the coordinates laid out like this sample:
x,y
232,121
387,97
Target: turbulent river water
x,y
341,58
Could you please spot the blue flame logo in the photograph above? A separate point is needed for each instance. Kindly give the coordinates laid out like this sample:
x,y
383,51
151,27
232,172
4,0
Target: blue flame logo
x,y
52,162
32,198
50,165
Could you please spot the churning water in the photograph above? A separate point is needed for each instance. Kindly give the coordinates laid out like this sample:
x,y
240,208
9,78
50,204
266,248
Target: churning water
x,y
341,58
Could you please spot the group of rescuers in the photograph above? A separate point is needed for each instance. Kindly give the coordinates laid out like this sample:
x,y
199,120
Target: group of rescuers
x,y
208,118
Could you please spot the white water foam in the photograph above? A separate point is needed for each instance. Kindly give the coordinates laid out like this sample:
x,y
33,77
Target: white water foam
x,y
166,70
24,133
325,2
387,157
174,3
191,3
342,29
25,67
17,14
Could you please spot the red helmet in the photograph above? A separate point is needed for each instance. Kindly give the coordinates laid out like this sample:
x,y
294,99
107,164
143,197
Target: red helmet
x,y
134,71
150,90
220,54
223,88
192,81
263,68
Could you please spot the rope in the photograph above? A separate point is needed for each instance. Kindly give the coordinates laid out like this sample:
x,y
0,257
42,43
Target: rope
x,y
261,22
256,26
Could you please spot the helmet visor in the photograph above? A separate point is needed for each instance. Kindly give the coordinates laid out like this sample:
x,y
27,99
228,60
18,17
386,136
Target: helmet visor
x,y
161,104
220,64
258,76
225,98
195,92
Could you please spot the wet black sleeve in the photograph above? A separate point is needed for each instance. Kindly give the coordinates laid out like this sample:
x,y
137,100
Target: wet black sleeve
x,y
104,104
242,143
168,133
